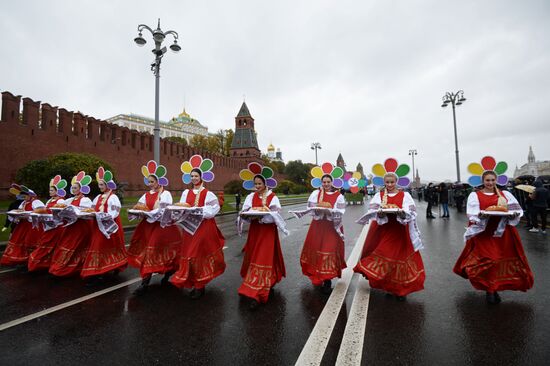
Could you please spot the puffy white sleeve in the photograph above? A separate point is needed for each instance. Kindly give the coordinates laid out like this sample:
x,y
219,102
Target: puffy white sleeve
x,y
211,205
472,207
85,202
94,202
247,205
313,198
183,198
514,207
340,205
409,208
275,204
113,206
166,197
142,199
37,204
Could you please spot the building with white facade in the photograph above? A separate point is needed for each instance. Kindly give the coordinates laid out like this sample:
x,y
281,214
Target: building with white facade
x,y
183,125
533,167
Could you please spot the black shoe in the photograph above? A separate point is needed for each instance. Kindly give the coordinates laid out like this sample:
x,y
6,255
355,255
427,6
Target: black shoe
x,y
143,287
327,287
497,298
400,298
166,278
491,298
196,293
253,304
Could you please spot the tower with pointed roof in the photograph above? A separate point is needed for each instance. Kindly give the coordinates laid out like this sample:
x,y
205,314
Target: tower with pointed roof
x,y
360,169
531,155
340,162
245,143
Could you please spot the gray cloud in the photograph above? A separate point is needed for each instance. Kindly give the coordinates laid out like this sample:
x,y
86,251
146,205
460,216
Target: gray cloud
x,y
364,78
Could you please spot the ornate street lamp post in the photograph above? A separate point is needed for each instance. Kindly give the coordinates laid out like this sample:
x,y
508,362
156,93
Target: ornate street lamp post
x,y
316,146
454,99
158,37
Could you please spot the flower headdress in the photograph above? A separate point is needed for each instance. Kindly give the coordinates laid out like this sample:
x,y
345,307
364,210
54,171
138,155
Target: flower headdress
x,y
83,180
327,169
354,181
106,176
20,191
59,184
488,163
391,166
254,169
157,171
197,162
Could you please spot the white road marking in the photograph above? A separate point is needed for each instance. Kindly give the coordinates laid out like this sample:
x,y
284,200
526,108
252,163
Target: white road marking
x,y
351,348
8,270
30,317
314,349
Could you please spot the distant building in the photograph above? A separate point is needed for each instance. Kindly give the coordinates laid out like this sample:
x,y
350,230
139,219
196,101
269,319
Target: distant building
x,y
340,162
533,167
183,125
272,154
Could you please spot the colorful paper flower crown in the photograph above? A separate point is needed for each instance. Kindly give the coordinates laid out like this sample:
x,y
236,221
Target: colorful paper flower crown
x,y
488,163
84,181
254,169
157,171
106,176
58,183
336,173
391,166
20,190
354,181
197,162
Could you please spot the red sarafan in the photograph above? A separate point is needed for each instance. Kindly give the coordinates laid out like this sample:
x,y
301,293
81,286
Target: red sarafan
x,y
494,263
389,260
263,265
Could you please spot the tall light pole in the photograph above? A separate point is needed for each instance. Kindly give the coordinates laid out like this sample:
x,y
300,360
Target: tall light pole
x,y
412,153
454,99
316,146
158,37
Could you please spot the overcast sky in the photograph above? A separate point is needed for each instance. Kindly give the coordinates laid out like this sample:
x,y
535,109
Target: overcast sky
x,y
364,78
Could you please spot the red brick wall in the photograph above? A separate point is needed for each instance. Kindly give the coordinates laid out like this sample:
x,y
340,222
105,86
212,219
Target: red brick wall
x,y
37,136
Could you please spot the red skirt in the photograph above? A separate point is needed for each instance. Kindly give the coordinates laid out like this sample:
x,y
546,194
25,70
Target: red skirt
x,y
154,249
495,264
104,254
389,261
22,242
323,253
68,257
263,264
201,256
41,257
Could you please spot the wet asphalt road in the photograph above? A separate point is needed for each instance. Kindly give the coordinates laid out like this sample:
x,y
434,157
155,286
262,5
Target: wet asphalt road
x,y
448,323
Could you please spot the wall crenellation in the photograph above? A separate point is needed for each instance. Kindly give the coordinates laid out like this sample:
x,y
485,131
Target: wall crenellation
x,y
31,130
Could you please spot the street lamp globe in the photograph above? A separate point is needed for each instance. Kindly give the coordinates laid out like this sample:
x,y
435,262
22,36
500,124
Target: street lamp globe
x,y
175,47
158,35
140,41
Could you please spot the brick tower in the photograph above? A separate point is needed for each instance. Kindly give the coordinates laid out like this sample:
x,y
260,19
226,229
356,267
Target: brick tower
x,y
245,144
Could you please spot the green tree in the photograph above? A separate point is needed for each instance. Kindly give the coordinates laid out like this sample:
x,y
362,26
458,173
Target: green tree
x,y
297,172
178,139
37,173
199,142
234,186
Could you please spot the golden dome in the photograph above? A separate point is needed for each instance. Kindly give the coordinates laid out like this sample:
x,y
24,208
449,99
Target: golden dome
x,y
271,147
184,114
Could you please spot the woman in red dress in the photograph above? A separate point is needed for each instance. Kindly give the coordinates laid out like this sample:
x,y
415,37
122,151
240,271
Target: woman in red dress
x,y
154,249
24,238
391,259
493,258
201,255
68,256
322,257
263,265
41,257
105,254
